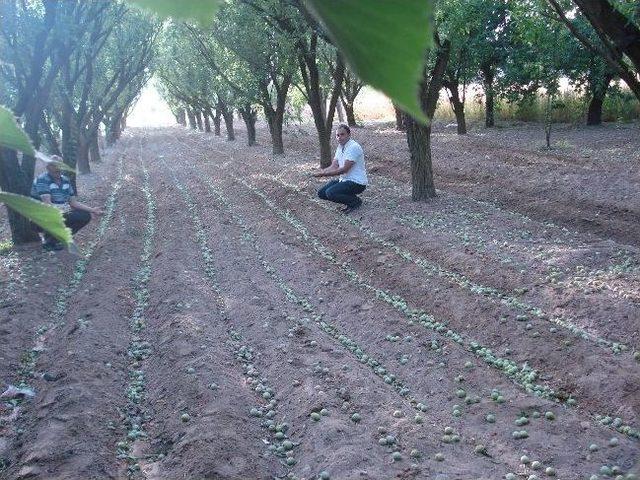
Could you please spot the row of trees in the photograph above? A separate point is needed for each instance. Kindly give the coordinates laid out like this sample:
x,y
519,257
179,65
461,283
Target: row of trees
x,y
69,70
255,53
72,66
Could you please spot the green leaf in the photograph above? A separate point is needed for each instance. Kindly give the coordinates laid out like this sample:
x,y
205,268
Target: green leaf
x,y
384,41
46,216
200,10
11,135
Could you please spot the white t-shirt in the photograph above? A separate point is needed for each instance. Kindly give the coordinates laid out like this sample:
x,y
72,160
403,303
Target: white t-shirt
x,y
352,151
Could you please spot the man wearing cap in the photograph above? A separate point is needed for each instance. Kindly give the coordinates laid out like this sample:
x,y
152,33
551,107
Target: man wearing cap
x,y
55,189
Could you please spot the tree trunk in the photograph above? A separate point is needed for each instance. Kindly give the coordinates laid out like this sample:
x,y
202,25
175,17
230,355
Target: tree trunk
x,y
419,136
274,121
94,150
400,125
324,137
326,156
275,117
181,117
249,117
192,119
70,143
198,116
52,141
598,92
340,112
11,179
487,80
216,123
113,131
82,157
207,123
594,114
322,119
228,124
458,106
419,141
349,111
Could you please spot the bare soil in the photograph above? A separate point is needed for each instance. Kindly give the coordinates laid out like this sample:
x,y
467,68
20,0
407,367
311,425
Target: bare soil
x,y
224,323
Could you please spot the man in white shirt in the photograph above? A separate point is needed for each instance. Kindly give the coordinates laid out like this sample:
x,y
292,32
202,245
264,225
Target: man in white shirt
x,y
348,163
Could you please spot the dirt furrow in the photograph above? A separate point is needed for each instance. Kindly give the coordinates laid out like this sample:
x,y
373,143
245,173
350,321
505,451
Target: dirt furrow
x,y
342,386
195,409
69,428
43,277
243,200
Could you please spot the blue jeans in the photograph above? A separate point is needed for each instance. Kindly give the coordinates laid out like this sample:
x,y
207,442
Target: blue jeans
x,y
342,192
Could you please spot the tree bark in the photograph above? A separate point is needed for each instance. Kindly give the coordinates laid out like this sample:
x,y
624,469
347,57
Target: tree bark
x,y
227,116
419,136
275,119
275,116
192,119
594,113
400,119
216,123
457,105
340,110
207,123
82,157
350,113
487,81
12,177
598,93
198,116
113,131
249,116
419,141
94,150
52,140
181,117
612,26
322,117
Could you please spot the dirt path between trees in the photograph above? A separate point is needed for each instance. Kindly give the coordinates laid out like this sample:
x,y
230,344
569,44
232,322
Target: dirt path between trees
x,y
228,324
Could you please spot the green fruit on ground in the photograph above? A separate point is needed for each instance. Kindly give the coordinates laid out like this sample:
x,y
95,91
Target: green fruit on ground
x,y
480,449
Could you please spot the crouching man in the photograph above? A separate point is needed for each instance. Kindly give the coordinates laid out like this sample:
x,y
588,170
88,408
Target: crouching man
x,y
54,188
348,163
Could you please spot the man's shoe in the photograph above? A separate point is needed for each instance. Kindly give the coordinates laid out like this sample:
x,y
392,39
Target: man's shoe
x,y
52,246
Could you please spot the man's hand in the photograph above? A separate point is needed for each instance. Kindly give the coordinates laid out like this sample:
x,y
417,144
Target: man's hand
x,y
96,212
318,174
